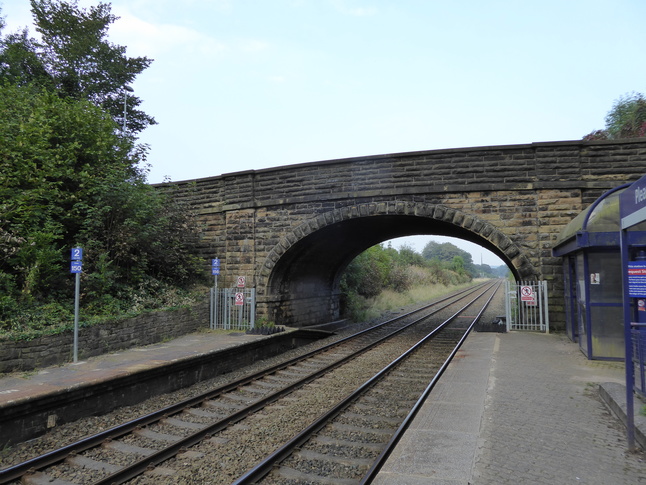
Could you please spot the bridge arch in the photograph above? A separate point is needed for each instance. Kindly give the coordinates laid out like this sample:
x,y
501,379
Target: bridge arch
x,y
300,276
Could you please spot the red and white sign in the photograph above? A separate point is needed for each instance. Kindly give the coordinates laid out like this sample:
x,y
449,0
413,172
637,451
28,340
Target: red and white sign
x,y
241,281
527,294
239,299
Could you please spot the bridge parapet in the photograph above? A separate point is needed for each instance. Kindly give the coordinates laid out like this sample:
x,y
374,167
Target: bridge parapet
x,y
292,230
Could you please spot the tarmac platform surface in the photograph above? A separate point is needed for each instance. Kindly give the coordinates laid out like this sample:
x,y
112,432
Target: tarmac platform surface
x,y
513,408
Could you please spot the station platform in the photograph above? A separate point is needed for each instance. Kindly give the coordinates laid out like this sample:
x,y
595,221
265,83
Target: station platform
x,y
19,387
511,408
516,408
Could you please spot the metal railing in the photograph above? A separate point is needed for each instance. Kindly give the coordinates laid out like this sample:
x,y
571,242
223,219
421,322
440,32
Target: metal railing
x,y
526,306
232,308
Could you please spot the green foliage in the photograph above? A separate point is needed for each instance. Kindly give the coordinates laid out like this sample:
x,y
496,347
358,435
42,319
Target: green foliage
x,y
368,273
447,254
626,119
69,177
378,270
55,155
408,256
76,60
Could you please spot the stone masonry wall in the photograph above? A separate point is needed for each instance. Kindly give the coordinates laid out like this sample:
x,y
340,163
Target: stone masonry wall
x,y
145,329
528,193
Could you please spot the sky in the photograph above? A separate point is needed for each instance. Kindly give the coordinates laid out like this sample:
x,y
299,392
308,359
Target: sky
x,y
249,84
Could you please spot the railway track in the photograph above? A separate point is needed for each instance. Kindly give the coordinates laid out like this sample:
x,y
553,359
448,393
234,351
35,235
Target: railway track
x,y
349,443
127,451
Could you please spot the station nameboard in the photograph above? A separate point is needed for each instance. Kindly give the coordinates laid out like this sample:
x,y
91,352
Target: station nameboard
x,y
632,204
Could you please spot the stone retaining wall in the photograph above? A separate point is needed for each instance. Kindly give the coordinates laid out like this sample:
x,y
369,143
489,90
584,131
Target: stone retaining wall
x,y
145,329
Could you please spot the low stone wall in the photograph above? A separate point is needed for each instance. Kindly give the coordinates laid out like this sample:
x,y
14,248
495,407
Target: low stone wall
x,y
145,329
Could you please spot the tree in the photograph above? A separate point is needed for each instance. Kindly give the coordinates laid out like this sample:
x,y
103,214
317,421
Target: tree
x,y
408,256
75,58
445,252
20,63
55,155
626,119
69,176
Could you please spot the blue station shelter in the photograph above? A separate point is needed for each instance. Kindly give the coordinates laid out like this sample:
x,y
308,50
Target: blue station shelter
x,y
592,268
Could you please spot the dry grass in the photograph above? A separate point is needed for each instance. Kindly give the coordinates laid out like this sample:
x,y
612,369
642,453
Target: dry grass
x,y
390,300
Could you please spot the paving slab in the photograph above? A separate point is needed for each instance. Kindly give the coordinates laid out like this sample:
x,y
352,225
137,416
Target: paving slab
x,y
518,408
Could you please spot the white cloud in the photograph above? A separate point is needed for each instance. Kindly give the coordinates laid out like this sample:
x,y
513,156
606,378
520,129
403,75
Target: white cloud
x,y
152,40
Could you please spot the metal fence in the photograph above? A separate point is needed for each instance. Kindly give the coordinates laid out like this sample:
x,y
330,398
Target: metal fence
x,y
232,308
526,306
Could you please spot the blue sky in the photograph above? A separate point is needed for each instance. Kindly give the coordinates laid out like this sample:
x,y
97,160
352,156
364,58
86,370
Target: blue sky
x,y
249,84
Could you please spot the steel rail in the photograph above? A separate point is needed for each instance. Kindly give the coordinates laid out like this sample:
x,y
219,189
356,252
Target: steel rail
x,y
12,473
390,446
267,464
129,472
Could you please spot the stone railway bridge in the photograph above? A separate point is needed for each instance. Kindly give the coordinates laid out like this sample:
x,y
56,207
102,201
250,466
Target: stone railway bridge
x,y
292,230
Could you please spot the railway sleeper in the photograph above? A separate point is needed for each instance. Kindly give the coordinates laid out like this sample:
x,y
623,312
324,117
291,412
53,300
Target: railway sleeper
x,y
278,379
358,431
91,464
226,406
126,448
238,397
329,441
374,408
294,372
269,386
369,451
353,462
371,418
257,390
156,436
179,423
203,413
40,478
298,476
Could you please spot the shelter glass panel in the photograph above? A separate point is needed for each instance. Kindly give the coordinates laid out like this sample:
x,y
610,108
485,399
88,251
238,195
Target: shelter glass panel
x,y
581,303
607,332
605,277
569,277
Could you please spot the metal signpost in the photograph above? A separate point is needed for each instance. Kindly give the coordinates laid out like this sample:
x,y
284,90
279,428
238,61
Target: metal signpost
x,y
632,211
76,267
215,271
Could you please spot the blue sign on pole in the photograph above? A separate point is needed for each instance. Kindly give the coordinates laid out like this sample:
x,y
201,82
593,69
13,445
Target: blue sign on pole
x,y
215,263
215,270
76,267
77,254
